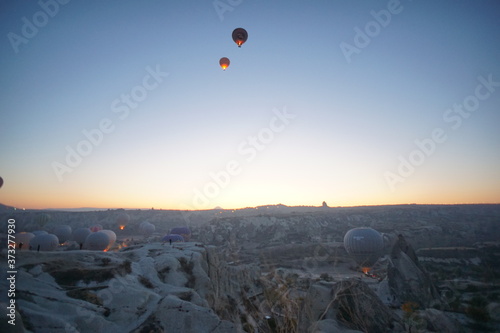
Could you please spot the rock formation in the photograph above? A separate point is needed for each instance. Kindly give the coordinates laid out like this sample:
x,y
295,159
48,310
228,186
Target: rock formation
x,y
407,279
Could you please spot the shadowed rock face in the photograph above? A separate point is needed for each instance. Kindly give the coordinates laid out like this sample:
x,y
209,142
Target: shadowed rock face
x,y
346,306
408,280
358,307
145,288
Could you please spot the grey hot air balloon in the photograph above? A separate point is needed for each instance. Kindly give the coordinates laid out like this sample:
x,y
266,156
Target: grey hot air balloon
x,y
63,233
147,228
97,241
80,234
364,245
112,236
44,242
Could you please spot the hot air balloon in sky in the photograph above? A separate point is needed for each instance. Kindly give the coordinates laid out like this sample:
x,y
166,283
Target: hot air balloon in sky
x,y
42,219
224,63
365,246
240,36
1,181
122,220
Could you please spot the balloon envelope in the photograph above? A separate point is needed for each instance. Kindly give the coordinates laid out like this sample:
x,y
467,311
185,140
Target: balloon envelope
x,y
96,228
123,219
97,241
1,181
24,238
364,245
173,238
224,63
63,232
240,36
147,228
80,234
42,219
44,242
111,235
185,232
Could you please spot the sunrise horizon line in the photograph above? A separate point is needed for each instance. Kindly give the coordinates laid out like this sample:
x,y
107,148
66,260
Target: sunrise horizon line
x,y
83,209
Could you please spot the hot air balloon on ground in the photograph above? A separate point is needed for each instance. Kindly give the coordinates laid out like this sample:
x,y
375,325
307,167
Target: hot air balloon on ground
x,y
96,228
365,246
23,240
80,234
63,233
44,242
147,228
224,63
112,236
185,232
97,241
172,238
240,36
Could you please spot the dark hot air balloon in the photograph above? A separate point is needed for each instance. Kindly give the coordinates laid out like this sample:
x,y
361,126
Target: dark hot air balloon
x,y
240,36
173,238
80,234
63,233
364,245
185,232
224,63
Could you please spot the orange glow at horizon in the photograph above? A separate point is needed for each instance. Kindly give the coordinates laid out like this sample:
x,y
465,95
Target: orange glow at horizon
x,y
243,193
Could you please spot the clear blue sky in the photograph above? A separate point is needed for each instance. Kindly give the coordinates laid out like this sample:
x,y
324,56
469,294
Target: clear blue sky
x,y
348,102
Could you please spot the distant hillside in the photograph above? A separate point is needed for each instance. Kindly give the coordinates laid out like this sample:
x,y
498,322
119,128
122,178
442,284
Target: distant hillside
x,y
6,209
